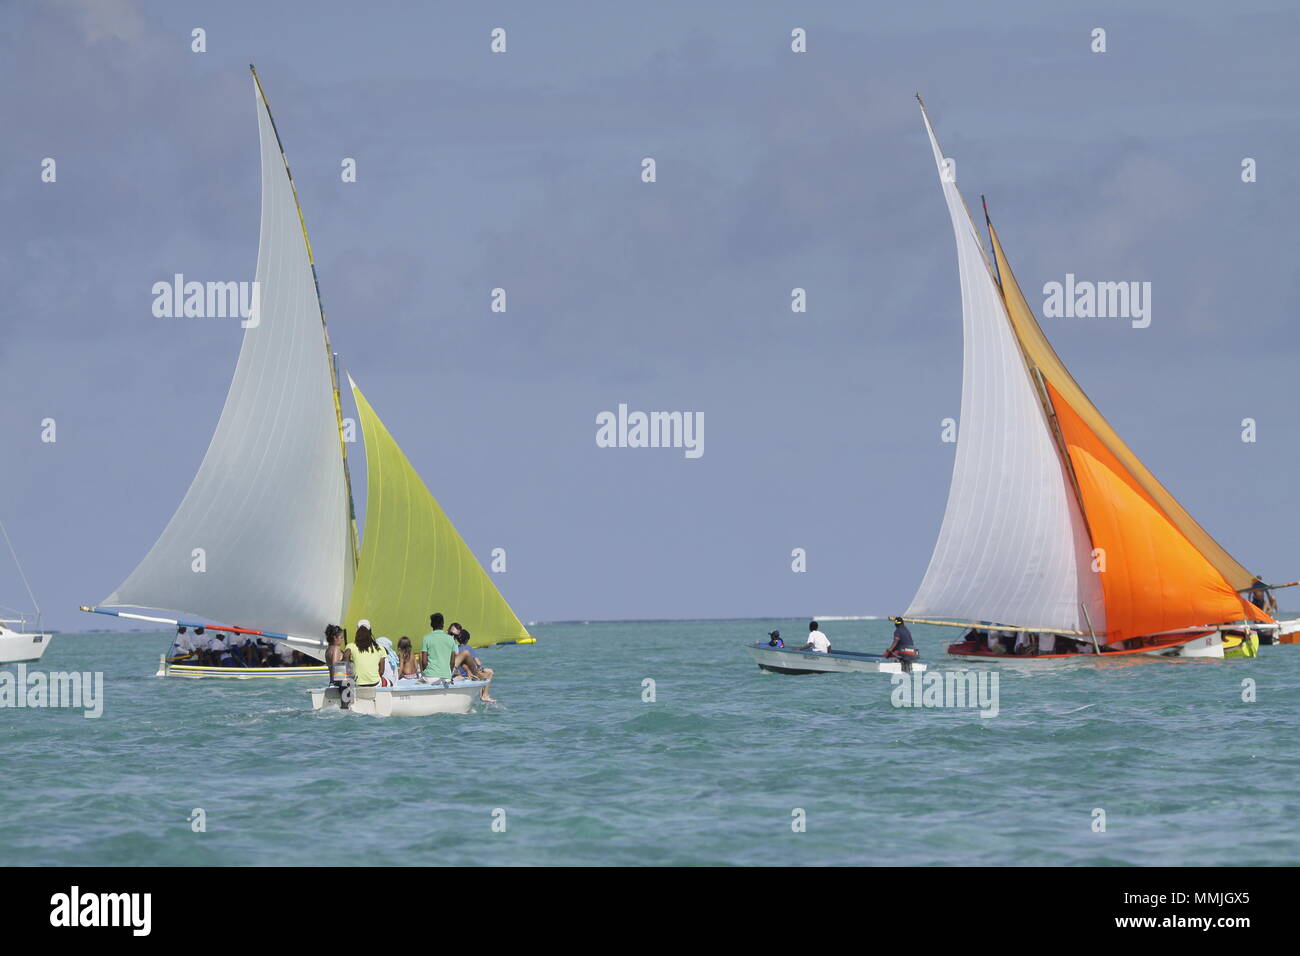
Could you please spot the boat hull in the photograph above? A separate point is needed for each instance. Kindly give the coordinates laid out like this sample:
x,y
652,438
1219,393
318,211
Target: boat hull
x,y
1208,645
1288,632
16,647
784,660
314,671
408,699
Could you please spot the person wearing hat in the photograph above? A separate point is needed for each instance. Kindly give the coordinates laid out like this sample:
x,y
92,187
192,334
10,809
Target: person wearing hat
x,y
817,641
774,639
902,647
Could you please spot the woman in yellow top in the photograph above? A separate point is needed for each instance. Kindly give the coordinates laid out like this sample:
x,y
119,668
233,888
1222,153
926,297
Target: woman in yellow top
x,y
367,657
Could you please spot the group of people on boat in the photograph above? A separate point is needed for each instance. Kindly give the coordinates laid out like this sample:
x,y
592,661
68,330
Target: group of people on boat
x,y
445,655
208,648
902,647
1023,643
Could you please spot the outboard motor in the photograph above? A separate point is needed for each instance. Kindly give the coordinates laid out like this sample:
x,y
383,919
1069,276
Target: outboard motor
x,y
343,675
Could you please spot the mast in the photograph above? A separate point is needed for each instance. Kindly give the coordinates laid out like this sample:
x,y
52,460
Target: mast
x,y
31,595
988,224
331,357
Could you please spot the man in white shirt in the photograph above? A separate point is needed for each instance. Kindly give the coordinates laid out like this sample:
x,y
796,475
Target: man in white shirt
x,y
816,640
184,646
216,648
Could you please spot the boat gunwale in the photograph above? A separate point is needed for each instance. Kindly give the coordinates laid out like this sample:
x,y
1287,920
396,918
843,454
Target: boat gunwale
x,y
1092,655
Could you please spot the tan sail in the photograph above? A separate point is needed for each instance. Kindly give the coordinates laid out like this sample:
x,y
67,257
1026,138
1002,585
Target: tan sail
x,y
1040,354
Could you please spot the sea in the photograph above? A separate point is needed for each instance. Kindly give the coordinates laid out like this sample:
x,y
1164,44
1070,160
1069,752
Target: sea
x,y
661,743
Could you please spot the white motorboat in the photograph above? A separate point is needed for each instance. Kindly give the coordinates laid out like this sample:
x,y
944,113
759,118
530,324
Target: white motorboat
x,y
786,660
408,698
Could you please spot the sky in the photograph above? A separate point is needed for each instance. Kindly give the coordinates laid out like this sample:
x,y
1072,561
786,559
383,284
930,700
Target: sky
x,y
522,170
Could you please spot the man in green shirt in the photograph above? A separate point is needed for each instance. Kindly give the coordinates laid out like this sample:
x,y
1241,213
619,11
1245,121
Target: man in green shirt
x,y
439,649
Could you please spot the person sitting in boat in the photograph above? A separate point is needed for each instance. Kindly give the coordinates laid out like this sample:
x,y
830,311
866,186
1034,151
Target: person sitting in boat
x,y
390,661
467,664
774,639
184,647
333,645
210,648
439,649
408,668
367,657
230,653
215,649
285,656
903,647
816,640
1026,643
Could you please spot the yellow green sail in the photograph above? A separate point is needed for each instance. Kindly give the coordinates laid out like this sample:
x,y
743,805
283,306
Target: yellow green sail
x,y
413,562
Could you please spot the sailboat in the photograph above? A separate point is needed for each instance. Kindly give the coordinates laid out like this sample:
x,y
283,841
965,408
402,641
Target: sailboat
x,y
267,533
1056,535
16,642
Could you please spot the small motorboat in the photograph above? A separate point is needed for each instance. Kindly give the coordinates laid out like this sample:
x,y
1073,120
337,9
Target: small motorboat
x,y
785,660
407,698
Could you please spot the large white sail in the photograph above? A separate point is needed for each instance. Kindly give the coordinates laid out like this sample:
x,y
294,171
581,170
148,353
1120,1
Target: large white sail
x,y
1013,548
269,505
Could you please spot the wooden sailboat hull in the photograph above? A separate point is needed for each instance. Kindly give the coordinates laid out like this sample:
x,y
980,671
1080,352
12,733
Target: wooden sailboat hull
x,y
314,671
407,699
1204,644
784,660
16,647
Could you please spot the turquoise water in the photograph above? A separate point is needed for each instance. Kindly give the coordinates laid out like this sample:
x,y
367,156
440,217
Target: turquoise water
x,y
709,773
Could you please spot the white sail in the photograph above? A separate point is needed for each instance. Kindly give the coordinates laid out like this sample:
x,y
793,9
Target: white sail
x,y
269,505
1013,548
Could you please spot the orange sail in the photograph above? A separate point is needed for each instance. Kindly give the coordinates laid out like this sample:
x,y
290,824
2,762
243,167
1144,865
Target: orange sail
x,y
1040,354
1153,578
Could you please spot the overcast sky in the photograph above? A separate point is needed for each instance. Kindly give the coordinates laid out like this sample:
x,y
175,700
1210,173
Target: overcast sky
x,y
522,170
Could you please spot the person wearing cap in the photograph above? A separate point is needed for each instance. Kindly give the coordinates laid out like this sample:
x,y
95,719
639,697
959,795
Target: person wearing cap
x,y
817,641
902,647
774,639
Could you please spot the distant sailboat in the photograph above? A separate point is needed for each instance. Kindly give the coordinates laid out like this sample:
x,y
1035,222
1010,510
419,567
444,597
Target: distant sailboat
x,y
16,642
267,532
1053,526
